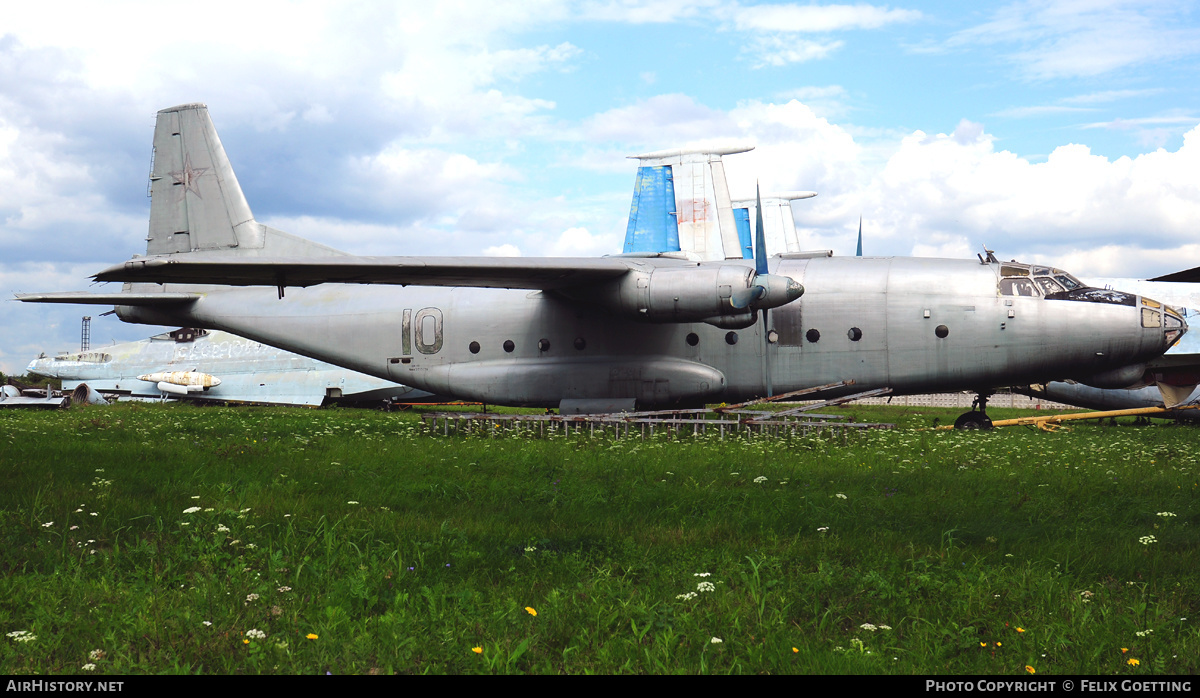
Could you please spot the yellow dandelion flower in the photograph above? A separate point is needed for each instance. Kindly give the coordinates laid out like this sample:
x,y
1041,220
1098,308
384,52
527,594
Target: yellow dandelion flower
x,y
477,650
1020,630
245,641
311,636
1030,669
795,650
530,611
1133,661
999,644
983,644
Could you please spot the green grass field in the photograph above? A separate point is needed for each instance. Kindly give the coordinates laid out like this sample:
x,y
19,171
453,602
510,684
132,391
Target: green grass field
x,y
179,539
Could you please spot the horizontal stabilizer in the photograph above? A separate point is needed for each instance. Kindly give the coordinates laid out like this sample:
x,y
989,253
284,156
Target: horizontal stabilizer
x,y
85,298
484,272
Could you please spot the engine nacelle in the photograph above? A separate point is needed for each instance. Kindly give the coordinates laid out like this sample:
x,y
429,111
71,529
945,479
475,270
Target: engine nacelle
x,y
1124,377
689,293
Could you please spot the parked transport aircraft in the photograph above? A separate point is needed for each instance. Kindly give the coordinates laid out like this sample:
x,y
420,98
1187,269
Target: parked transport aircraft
x,y
644,329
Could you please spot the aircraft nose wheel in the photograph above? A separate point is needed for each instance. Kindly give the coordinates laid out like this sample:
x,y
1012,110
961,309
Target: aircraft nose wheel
x,y
977,418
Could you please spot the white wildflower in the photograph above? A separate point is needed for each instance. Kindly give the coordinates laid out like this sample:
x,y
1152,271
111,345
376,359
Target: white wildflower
x,y
352,501
885,627
760,478
207,623
222,528
702,574
1145,632
22,636
823,529
868,626
705,586
88,667
716,641
48,524
191,510
255,634
251,597
196,496
688,596
285,589
96,655
841,496
1147,540
1165,514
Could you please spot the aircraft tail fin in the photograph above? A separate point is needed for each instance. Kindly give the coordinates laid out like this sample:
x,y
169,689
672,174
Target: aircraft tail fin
x,y
681,203
779,226
196,203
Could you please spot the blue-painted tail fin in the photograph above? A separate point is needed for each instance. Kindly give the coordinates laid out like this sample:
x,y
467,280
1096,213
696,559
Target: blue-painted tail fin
x,y
652,225
681,203
859,253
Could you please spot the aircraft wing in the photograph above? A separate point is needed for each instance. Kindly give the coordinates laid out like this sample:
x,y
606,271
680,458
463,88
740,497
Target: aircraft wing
x,y
85,298
543,273
1187,275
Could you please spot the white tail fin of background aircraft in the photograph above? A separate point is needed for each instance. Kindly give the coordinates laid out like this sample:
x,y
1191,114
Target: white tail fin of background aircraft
x,y
779,226
190,173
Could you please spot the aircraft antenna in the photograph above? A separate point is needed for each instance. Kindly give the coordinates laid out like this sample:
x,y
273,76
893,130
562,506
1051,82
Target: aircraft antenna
x,y
85,334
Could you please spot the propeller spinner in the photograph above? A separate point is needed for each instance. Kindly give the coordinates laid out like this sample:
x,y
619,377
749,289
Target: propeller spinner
x,y
765,290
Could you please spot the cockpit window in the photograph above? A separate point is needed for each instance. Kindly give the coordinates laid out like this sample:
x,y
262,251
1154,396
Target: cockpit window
x,y
1018,287
1048,285
1070,282
1032,280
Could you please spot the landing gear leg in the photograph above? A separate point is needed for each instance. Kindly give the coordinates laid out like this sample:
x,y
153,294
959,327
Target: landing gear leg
x,y
977,418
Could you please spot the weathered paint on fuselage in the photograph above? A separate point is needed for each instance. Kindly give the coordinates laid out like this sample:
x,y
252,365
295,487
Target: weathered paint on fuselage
x,y
895,303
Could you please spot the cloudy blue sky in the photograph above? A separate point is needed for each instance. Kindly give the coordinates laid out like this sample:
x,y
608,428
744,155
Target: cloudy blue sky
x,y
1061,132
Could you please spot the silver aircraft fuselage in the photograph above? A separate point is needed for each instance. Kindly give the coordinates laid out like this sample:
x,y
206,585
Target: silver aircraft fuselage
x,y
910,324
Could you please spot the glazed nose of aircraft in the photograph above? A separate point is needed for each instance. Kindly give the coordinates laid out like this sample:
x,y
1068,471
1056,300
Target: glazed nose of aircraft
x,y
36,368
1156,315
